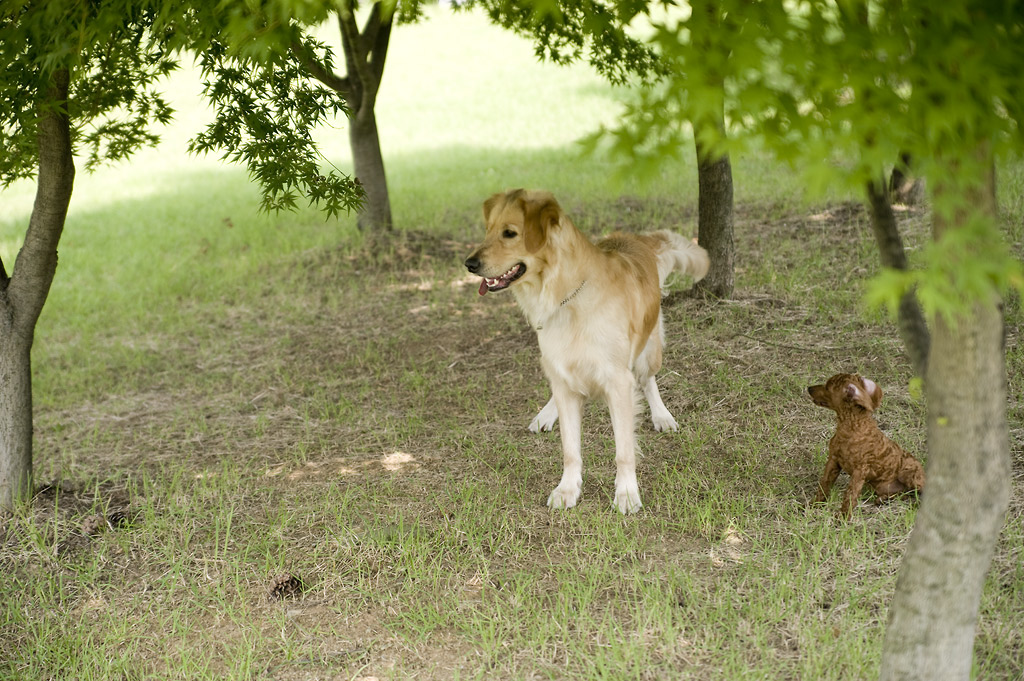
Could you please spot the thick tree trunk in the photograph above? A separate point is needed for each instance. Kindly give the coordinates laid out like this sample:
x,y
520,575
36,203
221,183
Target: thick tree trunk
x,y
368,162
23,294
715,223
934,613
15,419
913,328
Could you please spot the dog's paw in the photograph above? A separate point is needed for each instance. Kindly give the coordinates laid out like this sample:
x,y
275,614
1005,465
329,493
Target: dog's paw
x,y
664,422
539,425
564,496
627,498
545,419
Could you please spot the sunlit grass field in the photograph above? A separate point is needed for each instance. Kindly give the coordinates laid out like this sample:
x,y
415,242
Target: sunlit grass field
x,y
269,450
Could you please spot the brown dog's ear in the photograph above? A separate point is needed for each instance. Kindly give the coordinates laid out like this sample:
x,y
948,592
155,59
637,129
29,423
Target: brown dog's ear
x,y
863,395
539,218
874,393
490,204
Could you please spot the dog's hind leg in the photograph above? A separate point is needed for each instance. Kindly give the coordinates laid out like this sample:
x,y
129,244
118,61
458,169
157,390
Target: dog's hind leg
x,y
645,366
622,400
570,407
545,418
660,416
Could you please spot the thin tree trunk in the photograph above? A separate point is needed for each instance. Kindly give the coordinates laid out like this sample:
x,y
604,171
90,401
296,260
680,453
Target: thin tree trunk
x,y
368,163
365,55
903,187
934,613
913,328
23,294
714,175
715,223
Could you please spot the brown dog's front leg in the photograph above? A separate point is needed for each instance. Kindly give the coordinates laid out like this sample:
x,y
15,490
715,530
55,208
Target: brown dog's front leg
x,y
828,478
852,495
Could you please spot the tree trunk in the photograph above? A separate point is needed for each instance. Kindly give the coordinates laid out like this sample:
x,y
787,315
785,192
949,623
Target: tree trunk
x,y
23,294
913,328
365,55
714,171
15,419
933,616
715,223
375,215
903,187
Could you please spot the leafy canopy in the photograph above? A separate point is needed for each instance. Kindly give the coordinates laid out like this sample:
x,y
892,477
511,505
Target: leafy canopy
x,y
839,89
116,52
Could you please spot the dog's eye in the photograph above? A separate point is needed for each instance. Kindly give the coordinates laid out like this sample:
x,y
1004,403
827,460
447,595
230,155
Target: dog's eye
x,y
510,234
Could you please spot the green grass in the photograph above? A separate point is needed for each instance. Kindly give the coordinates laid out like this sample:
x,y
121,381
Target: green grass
x,y
263,395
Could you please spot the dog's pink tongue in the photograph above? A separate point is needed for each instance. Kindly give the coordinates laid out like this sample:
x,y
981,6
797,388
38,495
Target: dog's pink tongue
x,y
483,286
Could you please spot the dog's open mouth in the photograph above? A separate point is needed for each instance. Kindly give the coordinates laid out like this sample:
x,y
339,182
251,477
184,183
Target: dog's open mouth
x,y
502,282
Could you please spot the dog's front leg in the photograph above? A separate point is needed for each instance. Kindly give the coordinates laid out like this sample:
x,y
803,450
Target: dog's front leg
x,y
828,478
852,495
545,418
622,405
570,409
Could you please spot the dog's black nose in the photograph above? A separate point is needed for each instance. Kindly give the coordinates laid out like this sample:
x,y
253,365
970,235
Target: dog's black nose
x,y
473,264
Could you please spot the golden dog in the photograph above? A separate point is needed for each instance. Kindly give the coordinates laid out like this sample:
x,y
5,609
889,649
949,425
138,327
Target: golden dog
x,y
597,312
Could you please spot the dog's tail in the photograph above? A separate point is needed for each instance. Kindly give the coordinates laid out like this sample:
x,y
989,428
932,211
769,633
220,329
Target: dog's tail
x,y
676,253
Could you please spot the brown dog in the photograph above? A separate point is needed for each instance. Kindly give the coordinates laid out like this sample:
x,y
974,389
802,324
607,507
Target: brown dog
x,y
859,447
596,308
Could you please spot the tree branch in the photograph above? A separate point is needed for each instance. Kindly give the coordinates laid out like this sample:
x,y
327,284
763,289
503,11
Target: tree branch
x,y
379,47
370,30
317,70
355,60
365,53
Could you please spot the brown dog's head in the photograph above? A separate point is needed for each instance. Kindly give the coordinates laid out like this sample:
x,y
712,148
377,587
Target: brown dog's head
x,y
519,223
847,392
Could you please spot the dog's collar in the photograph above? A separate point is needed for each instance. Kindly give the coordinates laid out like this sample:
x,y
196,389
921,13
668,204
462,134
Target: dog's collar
x,y
566,300
573,294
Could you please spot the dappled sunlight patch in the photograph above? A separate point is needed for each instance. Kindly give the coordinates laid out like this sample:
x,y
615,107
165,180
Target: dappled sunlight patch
x,y
342,466
396,460
730,550
471,280
423,286
311,469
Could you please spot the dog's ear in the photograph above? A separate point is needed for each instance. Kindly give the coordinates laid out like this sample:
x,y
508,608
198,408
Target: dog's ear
x,y
490,204
539,218
862,396
874,393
